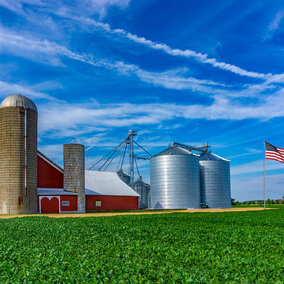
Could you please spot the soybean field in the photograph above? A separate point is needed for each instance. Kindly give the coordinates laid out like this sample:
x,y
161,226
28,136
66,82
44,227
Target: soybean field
x,y
234,247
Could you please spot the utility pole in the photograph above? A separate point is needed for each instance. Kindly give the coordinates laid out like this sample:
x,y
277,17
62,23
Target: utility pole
x,y
131,134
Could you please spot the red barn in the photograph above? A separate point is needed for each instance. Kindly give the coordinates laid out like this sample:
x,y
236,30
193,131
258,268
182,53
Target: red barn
x,y
104,190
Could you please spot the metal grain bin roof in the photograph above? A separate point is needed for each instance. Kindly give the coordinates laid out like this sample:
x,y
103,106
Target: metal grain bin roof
x,y
173,151
18,101
211,157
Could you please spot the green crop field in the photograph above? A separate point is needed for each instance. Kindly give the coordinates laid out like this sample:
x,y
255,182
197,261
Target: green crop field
x,y
235,247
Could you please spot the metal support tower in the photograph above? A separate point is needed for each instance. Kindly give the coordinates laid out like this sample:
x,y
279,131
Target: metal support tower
x,y
131,134
203,148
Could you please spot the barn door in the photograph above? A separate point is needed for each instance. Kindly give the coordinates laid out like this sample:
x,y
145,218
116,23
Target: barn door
x,y
49,204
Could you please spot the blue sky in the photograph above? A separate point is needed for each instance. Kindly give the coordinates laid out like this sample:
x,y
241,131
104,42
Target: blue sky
x,y
191,71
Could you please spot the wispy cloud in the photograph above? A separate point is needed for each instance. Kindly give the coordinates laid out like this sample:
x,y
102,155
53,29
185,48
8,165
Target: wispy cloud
x,y
274,25
187,53
17,6
63,118
99,7
255,167
11,88
31,48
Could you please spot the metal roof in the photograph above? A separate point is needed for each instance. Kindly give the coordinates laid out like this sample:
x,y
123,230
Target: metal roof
x,y
211,157
173,150
106,183
18,101
54,191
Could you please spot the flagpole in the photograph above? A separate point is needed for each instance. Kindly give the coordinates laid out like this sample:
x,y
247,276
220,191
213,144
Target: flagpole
x,y
264,156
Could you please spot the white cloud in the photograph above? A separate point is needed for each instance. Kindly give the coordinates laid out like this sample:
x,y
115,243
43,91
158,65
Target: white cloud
x,y
274,25
203,58
17,6
86,7
10,88
255,167
54,152
52,53
101,6
63,118
244,154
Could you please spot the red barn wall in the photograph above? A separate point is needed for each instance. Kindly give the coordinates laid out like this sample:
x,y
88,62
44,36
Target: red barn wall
x,y
72,202
111,202
47,175
52,205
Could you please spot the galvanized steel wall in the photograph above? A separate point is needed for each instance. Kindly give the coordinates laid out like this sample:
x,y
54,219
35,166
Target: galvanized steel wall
x,y
14,197
215,183
74,171
143,189
174,181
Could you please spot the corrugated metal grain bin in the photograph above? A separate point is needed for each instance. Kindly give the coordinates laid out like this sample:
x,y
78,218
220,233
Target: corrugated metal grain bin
x,y
174,179
215,181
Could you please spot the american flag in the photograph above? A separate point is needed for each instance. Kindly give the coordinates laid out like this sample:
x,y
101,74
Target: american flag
x,y
274,153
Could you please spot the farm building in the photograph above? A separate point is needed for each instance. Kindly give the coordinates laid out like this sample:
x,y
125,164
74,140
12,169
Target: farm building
x,y
106,191
30,182
102,190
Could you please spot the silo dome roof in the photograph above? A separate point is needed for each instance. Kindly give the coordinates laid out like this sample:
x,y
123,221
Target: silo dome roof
x,y
18,101
211,157
172,150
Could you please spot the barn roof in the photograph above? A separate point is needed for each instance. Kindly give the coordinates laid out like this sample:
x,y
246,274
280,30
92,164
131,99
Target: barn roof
x,y
54,191
106,183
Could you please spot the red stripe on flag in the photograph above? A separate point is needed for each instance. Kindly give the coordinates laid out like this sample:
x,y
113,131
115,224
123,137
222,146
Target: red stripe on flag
x,y
281,161
280,151
275,156
274,153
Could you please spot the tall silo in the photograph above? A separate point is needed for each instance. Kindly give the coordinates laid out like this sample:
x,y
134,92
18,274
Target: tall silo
x,y
74,171
174,179
215,181
18,155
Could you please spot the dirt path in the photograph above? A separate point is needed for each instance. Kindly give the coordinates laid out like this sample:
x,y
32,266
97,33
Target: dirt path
x,y
144,212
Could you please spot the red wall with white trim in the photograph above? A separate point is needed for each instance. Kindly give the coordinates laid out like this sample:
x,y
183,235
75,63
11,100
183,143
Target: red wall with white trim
x,y
72,202
111,202
50,204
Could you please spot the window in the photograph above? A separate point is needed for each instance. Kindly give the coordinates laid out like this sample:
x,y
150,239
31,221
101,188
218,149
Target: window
x,y
65,203
98,203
